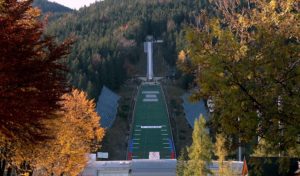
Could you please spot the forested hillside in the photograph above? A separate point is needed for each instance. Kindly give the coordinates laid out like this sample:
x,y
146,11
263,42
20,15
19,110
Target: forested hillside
x,y
109,37
51,7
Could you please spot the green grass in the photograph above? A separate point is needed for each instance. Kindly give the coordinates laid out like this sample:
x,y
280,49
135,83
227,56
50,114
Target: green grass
x,y
150,114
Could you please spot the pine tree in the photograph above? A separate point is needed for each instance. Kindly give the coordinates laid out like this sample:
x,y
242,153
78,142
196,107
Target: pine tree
x,y
90,89
200,152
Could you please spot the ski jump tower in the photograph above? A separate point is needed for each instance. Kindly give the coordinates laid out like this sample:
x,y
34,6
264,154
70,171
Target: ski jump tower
x,y
148,48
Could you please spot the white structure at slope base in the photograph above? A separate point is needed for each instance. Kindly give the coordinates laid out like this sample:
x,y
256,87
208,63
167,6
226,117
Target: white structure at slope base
x,y
145,167
148,48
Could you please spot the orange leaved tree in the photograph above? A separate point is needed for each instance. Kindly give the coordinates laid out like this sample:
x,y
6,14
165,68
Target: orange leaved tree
x,y
78,132
32,74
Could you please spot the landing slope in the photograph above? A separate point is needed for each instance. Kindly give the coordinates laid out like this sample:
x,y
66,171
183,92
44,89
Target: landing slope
x,y
151,128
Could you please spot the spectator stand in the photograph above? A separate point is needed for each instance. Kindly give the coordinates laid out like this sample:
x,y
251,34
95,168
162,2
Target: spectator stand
x,y
107,107
193,110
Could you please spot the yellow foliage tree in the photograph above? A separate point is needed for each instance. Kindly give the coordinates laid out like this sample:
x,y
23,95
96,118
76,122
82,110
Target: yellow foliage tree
x,y
76,132
200,152
244,60
79,133
221,152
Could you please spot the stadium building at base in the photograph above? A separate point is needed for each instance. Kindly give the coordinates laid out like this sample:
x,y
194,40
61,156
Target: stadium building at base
x,y
135,167
144,167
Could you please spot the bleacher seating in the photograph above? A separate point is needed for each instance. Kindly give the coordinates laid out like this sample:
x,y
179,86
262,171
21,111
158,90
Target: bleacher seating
x,y
107,107
193,110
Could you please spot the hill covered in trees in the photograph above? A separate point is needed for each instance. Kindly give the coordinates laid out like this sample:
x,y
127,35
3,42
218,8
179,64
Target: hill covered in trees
x,y
110,34
52,7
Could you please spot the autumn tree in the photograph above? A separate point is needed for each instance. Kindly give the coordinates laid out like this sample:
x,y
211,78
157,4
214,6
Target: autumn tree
x,y
221,152
79,133
200,152
261,150
181,162
32,81
32,74
247,62
76,133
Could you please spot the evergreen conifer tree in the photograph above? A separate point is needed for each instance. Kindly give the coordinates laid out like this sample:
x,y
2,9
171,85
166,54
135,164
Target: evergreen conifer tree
x,y
200,152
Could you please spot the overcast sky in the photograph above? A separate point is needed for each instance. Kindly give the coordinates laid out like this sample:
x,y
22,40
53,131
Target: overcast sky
x,y
74,4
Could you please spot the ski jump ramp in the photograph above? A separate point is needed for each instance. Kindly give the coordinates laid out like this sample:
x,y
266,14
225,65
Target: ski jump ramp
x,y
151,135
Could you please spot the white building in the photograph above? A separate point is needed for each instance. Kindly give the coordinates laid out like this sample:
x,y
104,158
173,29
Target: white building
x,y
138,167
143,167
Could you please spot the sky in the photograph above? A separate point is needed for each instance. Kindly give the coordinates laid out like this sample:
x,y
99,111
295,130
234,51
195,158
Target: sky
x,y
74,4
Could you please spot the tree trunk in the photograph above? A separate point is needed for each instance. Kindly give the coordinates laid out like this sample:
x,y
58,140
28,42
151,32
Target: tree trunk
x,y
2,167
9,171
